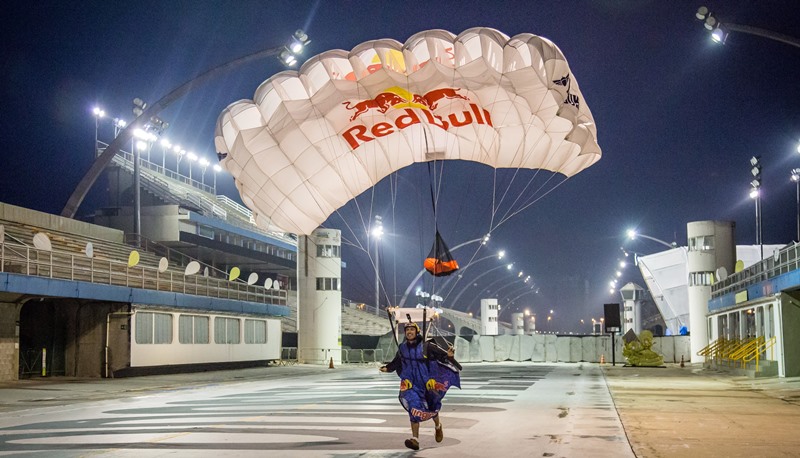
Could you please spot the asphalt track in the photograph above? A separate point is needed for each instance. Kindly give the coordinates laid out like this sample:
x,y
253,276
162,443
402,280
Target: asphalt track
x,y
504,410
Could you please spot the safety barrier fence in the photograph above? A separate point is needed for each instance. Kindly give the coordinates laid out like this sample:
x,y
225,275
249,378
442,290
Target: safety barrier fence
x,y
293,355
26,260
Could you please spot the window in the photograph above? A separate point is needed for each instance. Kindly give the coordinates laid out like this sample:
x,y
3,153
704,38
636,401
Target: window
x,y
255,331
701,243
328,251
153,328
701,278
226,330
327,284
193,329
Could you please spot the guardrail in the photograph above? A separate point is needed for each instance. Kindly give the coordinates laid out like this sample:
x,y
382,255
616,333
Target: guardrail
x,y
786,260
26,260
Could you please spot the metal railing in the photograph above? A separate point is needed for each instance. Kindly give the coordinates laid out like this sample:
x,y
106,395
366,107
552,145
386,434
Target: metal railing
x,y
761,349
26,260
743,351
786,260
369,355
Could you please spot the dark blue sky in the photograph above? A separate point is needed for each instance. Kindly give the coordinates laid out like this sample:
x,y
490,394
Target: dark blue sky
x,y
677,117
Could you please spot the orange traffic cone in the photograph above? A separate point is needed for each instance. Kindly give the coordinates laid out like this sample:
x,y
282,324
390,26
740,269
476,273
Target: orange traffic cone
x,y
681,360
330,365
602,359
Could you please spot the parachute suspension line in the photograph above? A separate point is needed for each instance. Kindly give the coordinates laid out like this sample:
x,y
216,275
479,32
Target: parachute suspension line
x,y
394,181
536,200
432,185
496,209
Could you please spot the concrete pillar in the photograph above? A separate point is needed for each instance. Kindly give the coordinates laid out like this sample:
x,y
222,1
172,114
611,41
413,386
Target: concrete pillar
x,y
711,256
489,311
319,301
9,341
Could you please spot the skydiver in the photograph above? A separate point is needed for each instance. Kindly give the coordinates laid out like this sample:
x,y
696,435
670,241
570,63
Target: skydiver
x,y
426,371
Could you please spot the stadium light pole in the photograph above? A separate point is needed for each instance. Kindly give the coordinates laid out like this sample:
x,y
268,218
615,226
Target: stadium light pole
x,y
98,113
217,169
377,232
796,179
287,55
720,30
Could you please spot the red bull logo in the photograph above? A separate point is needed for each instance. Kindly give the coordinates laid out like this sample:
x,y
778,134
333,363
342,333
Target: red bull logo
x,y
413,105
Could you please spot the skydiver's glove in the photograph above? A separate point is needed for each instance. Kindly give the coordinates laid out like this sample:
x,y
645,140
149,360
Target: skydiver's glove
x,y
431,385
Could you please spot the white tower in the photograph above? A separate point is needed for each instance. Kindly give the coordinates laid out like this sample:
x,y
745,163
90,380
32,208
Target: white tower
x,y
632,295
489,311
319,297
712,255
517,324
530,325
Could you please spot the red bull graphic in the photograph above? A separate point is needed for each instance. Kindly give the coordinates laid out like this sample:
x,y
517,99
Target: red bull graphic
x,y
382,102
405,385
412,105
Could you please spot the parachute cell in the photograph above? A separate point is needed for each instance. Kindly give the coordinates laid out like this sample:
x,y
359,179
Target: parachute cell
x,y
310,141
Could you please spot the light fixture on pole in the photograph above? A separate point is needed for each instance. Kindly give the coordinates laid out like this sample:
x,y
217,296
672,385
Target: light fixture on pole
x,y
796,179
165,146
98,113
755,194
217,169
192,157
720,30
179,153
204,165
377,232
148,112
632,234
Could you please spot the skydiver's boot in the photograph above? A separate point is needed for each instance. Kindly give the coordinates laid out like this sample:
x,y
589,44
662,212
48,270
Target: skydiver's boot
x,y
412,443
439,433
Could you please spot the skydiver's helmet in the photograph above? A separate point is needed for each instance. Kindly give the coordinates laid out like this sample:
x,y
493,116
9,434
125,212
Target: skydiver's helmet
x,y
412,325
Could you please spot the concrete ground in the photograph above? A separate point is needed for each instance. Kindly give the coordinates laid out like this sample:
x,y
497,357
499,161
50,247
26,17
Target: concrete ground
x,y
690,411
504,410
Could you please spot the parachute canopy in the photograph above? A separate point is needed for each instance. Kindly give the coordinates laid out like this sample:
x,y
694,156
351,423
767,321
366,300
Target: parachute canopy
x,y
310,141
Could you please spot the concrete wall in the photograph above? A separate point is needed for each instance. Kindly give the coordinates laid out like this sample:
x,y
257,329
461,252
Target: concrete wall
x,y
58,223
551,348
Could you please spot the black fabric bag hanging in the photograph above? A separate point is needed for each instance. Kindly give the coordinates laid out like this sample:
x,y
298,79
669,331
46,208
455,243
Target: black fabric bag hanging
x,y
440,262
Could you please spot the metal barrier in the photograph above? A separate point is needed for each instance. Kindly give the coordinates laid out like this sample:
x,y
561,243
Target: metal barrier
x,y
362,356
288,356
348,355
22,259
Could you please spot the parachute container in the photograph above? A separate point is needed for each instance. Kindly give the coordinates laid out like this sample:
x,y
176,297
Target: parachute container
x,y
440,262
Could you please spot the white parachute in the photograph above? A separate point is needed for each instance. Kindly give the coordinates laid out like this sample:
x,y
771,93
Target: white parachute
x,y
310,141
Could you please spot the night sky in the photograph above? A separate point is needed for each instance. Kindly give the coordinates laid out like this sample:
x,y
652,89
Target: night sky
x,y
678,118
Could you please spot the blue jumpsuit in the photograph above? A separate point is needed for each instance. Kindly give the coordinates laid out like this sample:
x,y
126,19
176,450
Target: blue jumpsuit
x,y
425,375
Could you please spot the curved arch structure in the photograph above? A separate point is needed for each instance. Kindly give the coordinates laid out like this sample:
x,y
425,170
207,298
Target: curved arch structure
x,y
310,141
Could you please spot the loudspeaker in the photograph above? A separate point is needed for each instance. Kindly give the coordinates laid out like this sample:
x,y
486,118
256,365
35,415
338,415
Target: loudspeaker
x,y
612,316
